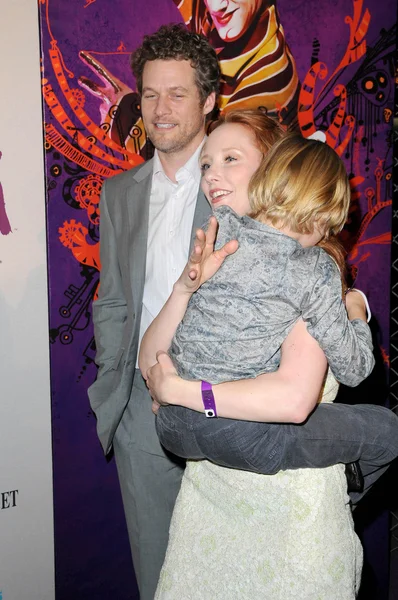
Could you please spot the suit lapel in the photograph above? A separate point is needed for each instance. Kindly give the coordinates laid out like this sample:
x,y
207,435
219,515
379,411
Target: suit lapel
x,y
202,213
138,195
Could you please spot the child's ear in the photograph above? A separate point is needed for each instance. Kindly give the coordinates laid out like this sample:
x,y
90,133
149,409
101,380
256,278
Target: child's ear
x,y
322,228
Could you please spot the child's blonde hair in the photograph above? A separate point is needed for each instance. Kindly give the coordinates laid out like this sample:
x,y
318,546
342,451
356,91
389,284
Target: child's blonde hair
x,y
301,184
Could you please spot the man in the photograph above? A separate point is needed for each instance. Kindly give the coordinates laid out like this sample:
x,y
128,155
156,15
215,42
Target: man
x,y
147,218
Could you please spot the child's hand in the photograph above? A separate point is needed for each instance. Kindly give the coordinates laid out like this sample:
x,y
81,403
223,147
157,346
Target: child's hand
x,y
204,261
357,306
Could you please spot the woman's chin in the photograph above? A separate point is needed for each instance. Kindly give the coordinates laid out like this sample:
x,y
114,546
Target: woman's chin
x,y
217,203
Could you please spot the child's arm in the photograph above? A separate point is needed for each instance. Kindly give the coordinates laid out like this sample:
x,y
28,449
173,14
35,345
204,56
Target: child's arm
x,y
203,263
286,396
347,344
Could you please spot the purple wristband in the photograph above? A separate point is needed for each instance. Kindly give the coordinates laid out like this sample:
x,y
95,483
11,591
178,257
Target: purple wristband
x,y
208,400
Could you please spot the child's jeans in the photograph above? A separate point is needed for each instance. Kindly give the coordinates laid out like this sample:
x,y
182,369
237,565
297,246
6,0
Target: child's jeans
x,y
333,433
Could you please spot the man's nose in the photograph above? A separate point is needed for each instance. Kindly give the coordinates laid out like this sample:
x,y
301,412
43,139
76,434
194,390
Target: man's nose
x,y
162,106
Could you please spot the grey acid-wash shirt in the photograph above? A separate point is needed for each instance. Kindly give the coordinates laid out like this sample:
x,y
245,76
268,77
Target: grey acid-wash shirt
x,y
236,322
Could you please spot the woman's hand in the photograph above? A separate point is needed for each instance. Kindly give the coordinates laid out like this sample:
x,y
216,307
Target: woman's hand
x,y
161,378
204,261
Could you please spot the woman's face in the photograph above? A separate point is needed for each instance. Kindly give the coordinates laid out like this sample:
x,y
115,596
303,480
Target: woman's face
x,y
228,161
232,18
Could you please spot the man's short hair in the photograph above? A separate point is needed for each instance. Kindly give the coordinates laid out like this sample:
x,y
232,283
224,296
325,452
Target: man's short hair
x,y
175,42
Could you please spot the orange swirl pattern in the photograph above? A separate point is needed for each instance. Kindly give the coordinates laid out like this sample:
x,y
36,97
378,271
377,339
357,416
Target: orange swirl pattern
x,y
99,134
55,139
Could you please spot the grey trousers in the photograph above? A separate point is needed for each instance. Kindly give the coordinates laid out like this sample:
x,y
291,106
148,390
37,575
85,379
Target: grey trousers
x,y
333,433
150,481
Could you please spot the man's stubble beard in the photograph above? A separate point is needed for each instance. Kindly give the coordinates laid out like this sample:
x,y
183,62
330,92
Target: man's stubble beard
x,y
180,143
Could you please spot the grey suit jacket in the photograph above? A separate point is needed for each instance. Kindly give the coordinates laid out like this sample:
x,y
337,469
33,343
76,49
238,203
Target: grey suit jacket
x,y
117,312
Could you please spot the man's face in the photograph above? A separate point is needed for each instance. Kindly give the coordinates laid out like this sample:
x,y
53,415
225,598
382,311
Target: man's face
x,y
171,109
232,18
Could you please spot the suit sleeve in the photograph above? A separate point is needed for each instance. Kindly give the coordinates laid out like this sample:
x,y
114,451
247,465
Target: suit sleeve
x,y
110,309
347,344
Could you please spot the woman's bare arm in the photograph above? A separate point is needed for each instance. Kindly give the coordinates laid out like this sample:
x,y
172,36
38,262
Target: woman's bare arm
x,y
286,396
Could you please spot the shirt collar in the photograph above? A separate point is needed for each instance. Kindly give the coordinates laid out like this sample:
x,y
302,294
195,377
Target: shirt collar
x,y
157,165
190,169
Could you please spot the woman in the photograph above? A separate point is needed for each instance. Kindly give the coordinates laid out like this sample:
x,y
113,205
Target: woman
x,y
240,535
233,327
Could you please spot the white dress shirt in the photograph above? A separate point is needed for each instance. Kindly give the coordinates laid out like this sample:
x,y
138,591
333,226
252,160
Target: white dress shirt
x,y
171,211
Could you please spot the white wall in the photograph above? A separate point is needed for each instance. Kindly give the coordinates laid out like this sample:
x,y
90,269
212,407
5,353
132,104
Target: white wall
x,y
26,521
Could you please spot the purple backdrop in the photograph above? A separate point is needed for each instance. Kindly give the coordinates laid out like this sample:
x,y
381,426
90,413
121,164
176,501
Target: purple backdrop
x,y
92,554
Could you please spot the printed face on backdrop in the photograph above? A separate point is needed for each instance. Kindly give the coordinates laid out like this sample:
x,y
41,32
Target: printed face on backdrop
x,y
232,18
172,112
228,161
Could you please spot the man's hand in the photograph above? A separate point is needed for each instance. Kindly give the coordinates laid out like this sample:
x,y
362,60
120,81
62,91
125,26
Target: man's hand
x,y
204,261
160,379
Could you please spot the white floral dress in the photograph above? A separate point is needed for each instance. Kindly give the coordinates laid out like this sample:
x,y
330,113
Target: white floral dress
x,y
237,535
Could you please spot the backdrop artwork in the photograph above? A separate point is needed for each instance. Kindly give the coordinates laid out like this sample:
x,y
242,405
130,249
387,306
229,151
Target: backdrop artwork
x,y
316,67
